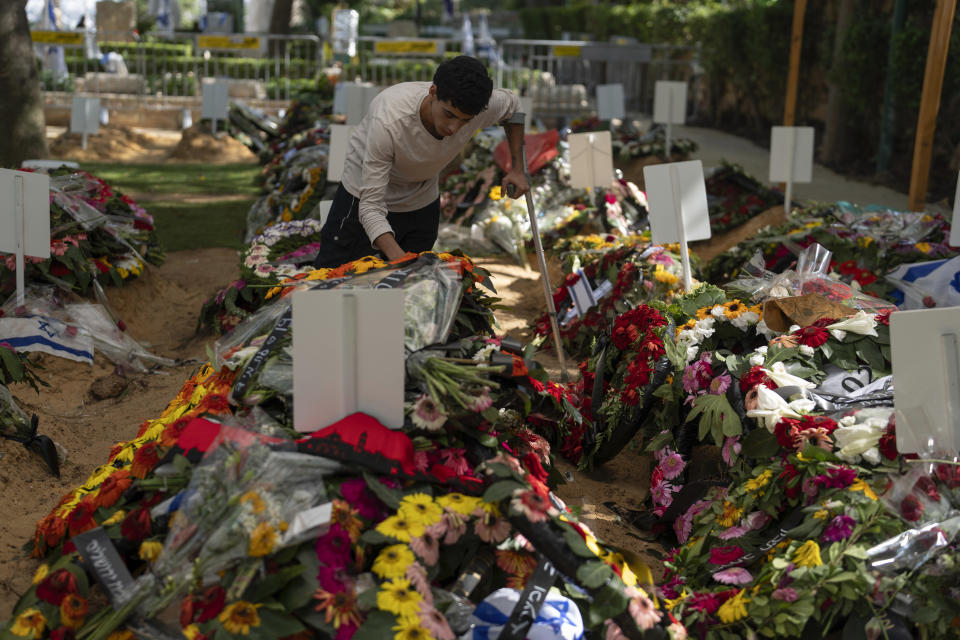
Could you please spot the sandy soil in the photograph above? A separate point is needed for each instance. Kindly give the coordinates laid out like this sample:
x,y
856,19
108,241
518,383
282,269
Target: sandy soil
x,y
147,146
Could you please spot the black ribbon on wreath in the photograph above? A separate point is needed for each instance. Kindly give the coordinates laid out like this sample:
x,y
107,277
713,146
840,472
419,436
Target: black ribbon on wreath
x,y
39,444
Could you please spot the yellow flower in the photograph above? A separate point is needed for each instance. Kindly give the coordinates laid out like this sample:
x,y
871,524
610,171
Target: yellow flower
x,y
41,573
397,597
190,632
755,484
592,544
125,634
660,274
400,528
286,216
703,313
670,604
421,509
256,502
773,552
239,617
393,561
464,505
864,241
923,247
150,550
262,539
814,224
731,514
734,609
734,309
495,193
29,623
822,514
123,273
319,274
860,485
410,629
808,555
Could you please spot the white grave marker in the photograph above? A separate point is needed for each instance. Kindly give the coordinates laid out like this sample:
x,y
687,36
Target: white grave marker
x,y
348,356
526,106
85,117
323,209
669,107
677,199
339,138
591,159
24,218
955,225
610,103
46,165
925,352
358,99
791,158
216,100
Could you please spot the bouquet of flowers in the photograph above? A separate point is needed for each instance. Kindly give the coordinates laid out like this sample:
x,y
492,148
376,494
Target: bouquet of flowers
x,y
735,197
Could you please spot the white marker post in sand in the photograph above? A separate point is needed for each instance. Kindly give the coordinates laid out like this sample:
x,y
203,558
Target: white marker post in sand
x,y
24,218
669,108
791,158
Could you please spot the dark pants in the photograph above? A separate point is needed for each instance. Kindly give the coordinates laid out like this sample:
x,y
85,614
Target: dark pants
x,y
344,240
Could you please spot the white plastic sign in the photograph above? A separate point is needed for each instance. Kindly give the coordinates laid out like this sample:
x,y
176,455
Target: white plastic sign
x,y
670,102
339,139
526,106
955,226
591,159
925,352
610,103
85,115
791,154
358,99
348,356
24,218
663,205
323,211
216,98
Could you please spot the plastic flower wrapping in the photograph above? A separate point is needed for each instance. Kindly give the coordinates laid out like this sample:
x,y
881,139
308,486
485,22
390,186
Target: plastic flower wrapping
x,y
96,234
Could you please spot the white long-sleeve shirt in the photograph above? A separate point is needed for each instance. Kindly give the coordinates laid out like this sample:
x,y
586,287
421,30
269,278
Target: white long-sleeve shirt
x,y
393,163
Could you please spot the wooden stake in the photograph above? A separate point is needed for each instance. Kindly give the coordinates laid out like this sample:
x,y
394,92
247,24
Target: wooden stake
x,y
930,101
793,76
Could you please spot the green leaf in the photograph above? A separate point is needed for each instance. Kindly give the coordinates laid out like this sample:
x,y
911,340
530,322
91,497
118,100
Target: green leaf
x,y
659,441
378,625
389,497
778,353
278,625
718,417
926,615
869,352
857,552
844,356
843,576
609,602
367,600
594,575
374,537
263,589
676,355
760,444
706,295
500,490
11,364
576,543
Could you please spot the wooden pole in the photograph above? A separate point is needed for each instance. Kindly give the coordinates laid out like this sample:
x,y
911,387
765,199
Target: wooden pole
x,y
793,76
930,101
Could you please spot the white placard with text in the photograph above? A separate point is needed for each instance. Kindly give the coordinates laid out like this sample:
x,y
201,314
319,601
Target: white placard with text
x,y
662,201
348,356
610,102
783,166
36,212
670,102
591,159
85,115
925,353
339,139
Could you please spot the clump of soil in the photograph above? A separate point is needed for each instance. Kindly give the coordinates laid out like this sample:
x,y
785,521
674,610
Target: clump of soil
x,y
111,144
199,145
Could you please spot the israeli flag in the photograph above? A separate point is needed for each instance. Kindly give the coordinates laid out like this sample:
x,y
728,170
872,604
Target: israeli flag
x,y
558,619
47,335
924,284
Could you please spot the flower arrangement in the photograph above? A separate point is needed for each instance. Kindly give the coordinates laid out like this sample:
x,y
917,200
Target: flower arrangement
x,y
736,197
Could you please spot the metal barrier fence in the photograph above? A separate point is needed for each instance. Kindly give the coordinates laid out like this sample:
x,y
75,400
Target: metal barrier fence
x,y
387,61
257,67
562,76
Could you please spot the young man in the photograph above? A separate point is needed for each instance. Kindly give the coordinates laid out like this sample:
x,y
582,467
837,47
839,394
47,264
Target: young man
x,y
388,200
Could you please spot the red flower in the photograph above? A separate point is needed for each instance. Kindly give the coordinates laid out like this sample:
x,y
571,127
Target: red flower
x,y
755,376
839,478
725,555
812,336
186,611
883,317
59,269
63,633
210,604
928,487
136,526
113,487
81,518
215,403
144,460
57,586
911,508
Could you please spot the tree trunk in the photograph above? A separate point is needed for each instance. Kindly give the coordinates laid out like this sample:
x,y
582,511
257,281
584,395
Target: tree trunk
x,y
831,152
21,101
279,25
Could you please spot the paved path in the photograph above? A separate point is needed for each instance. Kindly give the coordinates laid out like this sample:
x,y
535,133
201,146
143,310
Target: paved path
x,y
827,186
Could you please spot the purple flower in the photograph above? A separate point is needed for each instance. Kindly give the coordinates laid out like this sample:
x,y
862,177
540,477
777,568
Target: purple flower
x,y
731,449
733,532
734,575
787,594
839,478
355,492
839,529
672,465
663,493
333,548
720,384
682,526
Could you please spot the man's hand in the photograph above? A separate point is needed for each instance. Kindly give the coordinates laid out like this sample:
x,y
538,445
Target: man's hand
x,y
514,184
388,245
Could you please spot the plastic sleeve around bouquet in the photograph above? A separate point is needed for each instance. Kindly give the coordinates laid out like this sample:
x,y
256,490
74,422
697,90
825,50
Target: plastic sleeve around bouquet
x,y
911,549
244,335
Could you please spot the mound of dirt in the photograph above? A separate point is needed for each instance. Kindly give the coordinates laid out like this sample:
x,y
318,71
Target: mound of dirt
x,y
113,144
199,145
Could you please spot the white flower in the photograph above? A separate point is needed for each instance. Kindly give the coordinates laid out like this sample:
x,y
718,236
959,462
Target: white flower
x,y
745,320
855,440
427,414
861,322
806,351
264,269
254,260
872,455
773,408
717,312
848,420
692,353
483,354
764,330
704,328
794,327
756,360
778,373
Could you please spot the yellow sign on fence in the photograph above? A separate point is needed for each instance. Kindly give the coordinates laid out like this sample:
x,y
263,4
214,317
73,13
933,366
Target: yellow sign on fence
x,y
65,38
566,51
421,47
228,42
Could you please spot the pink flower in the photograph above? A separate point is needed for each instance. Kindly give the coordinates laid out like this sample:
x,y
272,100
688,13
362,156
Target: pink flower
x,y
682,526
725,555
421,460
354,491
456,527
427,547
532,505
733,532
641,609
720,384
787,594
663,493
333,548
672,465
734,575
482,401
731,449
839,478
456,460
490,529
839,529
435,623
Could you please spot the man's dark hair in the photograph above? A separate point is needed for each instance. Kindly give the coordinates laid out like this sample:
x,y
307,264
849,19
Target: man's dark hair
x,y
464,83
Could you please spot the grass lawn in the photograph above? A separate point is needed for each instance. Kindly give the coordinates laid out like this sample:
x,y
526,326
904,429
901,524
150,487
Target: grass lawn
x,y
182,225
